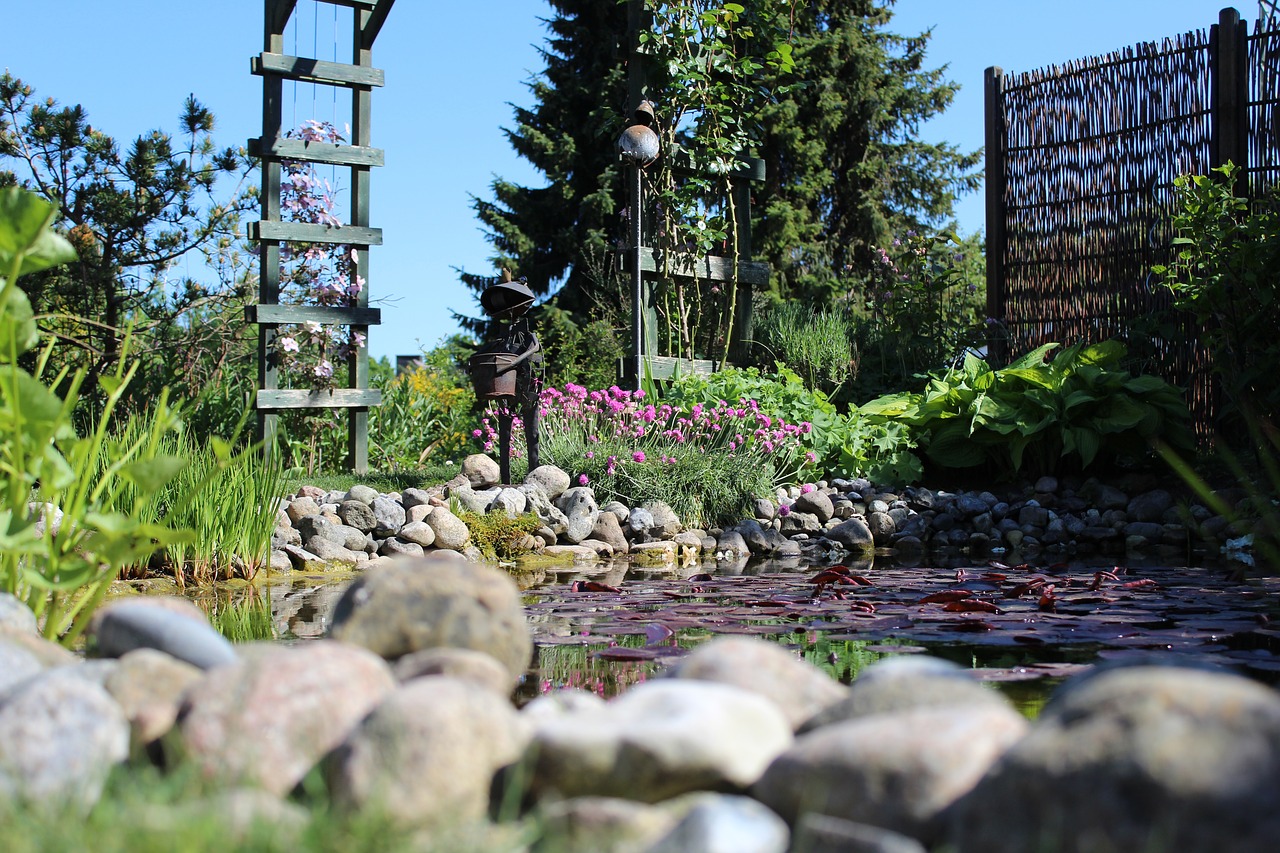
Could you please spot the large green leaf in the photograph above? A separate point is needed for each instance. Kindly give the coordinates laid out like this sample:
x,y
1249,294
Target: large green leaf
x,y
1107,353
18,332
951,447
150,475
1033,358
25,221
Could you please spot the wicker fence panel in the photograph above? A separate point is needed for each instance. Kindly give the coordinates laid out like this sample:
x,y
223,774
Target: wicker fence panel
x,y
1081,164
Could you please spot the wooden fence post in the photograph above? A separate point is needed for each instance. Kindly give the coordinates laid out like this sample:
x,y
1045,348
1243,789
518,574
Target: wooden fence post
x,y
993,81
1228,57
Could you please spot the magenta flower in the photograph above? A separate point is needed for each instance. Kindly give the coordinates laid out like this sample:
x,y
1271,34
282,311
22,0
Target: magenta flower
x,y
638,456
806,488
582,479
784,510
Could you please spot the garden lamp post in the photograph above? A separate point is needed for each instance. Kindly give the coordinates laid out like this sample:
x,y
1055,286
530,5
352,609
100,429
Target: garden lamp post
x,y
639,147
502,370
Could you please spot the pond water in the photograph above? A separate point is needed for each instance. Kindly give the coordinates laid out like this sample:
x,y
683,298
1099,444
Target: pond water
x,y
1020,629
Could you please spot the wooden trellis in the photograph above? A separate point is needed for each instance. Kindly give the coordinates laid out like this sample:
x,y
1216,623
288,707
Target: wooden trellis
x,y
273,147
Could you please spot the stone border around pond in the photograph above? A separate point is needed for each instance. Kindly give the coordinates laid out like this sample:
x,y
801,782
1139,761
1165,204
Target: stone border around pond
x,y
318,530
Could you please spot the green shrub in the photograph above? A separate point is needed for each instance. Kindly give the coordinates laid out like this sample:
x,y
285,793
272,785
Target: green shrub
x,y
1041,417
62,570
1227,275
816,343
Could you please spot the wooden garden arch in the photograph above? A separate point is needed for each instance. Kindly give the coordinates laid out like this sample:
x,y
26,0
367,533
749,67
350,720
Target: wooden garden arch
x,y
273,147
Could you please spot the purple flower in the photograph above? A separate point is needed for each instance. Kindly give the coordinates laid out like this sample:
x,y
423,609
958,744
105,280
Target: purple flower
x,y
288,345
638,456
784,510
806,488
582,480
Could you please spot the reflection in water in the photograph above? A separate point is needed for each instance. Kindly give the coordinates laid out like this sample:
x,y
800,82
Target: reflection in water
x,y
606,642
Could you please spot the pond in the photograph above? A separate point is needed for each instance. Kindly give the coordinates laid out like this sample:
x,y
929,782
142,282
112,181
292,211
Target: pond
x,y
1019,628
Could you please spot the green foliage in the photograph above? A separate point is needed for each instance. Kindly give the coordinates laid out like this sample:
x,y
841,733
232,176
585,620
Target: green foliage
x,y
1227,275
426,414
131,213
823,92
62,568
1075,411
226,496
244,618
919,312
836,444
816,343
585,353
497,535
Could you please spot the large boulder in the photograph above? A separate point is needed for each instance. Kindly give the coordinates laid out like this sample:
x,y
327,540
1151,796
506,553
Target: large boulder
x,y
60,735
1136,758
268,719
481,471
450,532
435,601
853,535
579,507
148,686
799,689
428,753
552,480
657,740
15,614
898,771
171,625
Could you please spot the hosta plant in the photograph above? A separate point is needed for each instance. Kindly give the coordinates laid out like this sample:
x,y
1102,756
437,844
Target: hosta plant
x,y
1038,415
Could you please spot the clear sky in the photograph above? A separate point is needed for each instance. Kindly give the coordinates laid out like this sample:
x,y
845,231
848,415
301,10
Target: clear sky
x,y
452,71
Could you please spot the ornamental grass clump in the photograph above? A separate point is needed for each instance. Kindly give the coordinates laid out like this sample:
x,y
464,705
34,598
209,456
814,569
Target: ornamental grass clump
x,y
707,461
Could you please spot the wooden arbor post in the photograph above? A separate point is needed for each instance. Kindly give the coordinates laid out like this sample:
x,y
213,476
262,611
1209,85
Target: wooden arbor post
x,y
643,360
274,66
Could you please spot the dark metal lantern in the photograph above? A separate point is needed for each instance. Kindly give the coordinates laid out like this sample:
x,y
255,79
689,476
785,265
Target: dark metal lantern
x,y
639,142
506,300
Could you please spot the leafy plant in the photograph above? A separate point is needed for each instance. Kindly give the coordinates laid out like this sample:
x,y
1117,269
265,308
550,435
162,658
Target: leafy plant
x,y
1040,416
426,413
62,539
241,619
1227,275
816,343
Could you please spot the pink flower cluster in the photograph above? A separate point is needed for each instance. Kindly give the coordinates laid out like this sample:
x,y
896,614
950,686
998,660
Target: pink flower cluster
x,y
638,431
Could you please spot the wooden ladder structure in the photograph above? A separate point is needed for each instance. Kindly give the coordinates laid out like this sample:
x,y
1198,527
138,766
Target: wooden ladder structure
x,y
273,147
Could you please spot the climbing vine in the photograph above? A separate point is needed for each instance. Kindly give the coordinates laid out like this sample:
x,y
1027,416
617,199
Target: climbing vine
x,y
705,61
314,273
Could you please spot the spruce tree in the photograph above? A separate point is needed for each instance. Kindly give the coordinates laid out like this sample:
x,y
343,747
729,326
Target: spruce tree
x,y
844,171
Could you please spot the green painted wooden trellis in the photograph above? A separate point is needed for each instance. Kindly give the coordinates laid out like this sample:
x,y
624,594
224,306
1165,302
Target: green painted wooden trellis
x,y
274,66
640,259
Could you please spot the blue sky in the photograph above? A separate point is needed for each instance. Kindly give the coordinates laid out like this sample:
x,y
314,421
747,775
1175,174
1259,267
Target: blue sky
x,y
452,71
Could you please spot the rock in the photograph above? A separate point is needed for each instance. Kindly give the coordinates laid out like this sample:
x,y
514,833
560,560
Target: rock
x,y
657,740
719,823
451,532
819,833
602,825
754,535
571,554
1046,485
882,528
419,532
608,529
148,686
16,664
510,501
552,480
816,503
853,535
603,550
579,507
148,623
732,542
389,514
59,738
652,553
1033,515
557,703
472,500
619,509
765,509
300,508
639,523
398,547
268,719
536,500
1105,497
481,471
46,652
16,615
363,494
417,513
1137,758
799,689
898,771
303,560
434,602
1149,506
410,498
332,554
427,754
464,664
968,505
903,683
357,514
665,521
